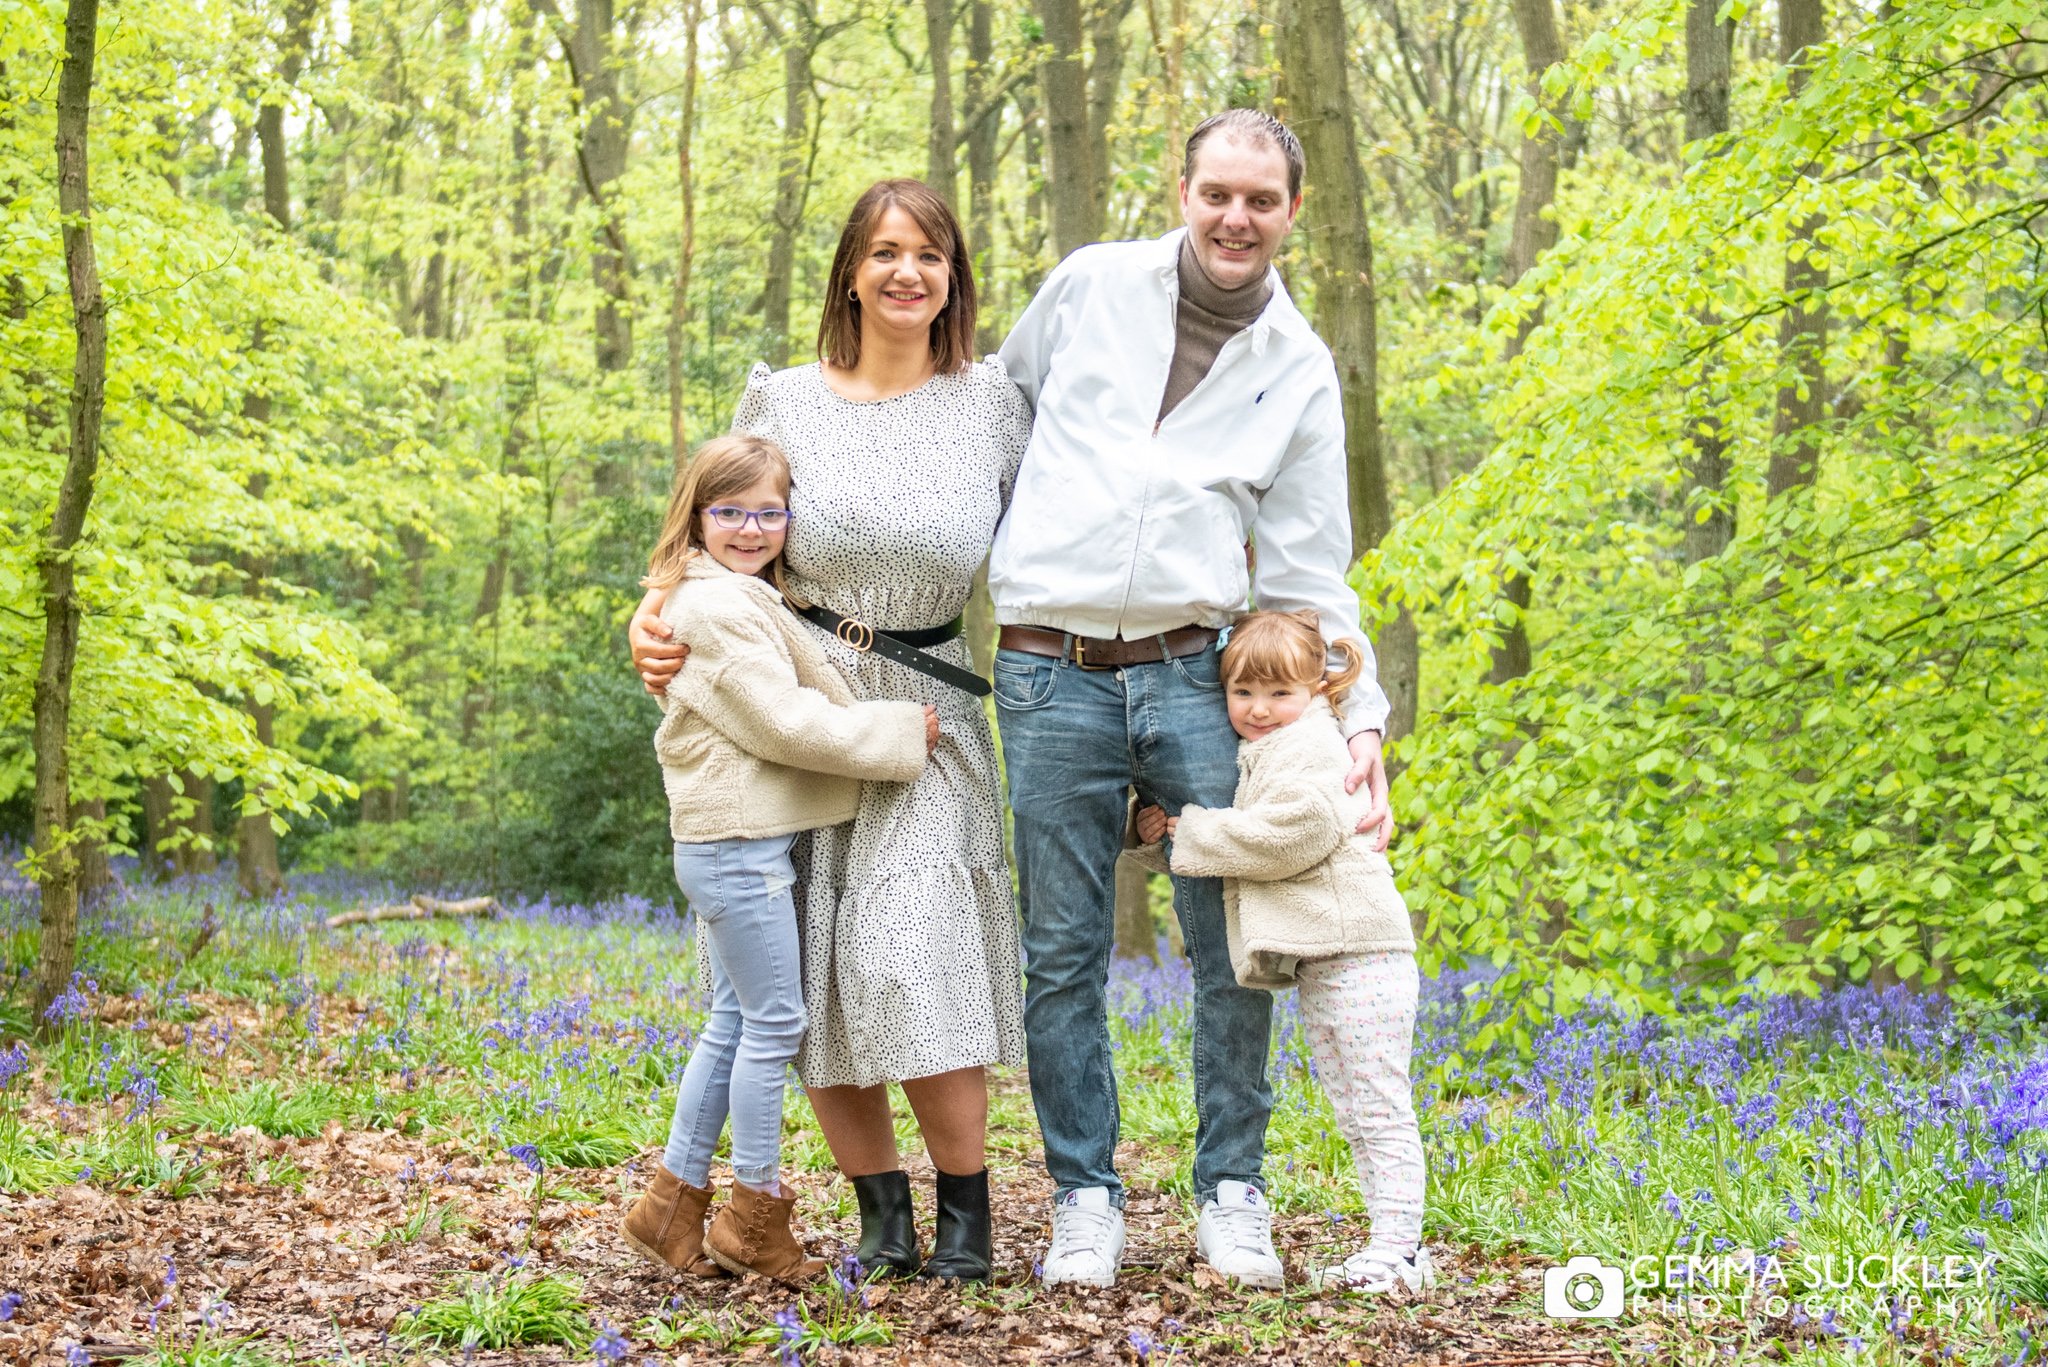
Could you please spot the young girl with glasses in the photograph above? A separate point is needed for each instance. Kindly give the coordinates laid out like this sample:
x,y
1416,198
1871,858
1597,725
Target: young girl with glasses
x,y
1307,901
760,738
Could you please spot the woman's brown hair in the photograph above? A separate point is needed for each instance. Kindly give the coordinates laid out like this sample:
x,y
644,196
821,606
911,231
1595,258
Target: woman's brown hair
x,y
953,329
721,468
1288,647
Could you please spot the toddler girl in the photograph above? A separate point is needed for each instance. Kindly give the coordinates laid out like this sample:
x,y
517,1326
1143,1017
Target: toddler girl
x,y
760,739
1307,901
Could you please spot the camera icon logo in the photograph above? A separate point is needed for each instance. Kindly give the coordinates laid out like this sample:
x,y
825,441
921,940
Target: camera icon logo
x,y
1583,1289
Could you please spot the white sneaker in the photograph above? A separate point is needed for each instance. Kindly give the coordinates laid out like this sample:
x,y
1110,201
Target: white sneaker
x,y
1377,1271
1087,1240
1234,1235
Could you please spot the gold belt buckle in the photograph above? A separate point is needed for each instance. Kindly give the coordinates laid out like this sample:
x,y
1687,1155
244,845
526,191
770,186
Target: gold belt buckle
x,y
1080,656
855,633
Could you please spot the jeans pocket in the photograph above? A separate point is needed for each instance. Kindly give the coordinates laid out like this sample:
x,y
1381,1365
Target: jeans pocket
x,y
697,875
1202,671
1023,683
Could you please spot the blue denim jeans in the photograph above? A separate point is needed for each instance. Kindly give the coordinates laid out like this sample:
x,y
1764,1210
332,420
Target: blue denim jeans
x,y
741,892
1073,740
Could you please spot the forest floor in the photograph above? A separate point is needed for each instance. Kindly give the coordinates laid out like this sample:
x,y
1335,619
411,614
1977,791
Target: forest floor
x,y
327,1270
255,1140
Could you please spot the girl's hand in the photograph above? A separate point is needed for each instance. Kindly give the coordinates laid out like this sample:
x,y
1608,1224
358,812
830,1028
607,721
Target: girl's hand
x,y
1153,824
931,728
1172,825
657,655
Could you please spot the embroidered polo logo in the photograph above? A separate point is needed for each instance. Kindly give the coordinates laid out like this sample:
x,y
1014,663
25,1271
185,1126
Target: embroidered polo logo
x,y
1261,398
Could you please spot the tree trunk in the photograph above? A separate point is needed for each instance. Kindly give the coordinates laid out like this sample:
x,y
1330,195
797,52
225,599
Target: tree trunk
x,y
156,824
1533,233
1248,61
940,146
1171,45
298,41
1335,223
602,141
981,163
57,864
1802,328
1063,86
193,834
90,847
257,856
792,184
1136,936
256,864
1534,230
1105,80
686,250
1709,72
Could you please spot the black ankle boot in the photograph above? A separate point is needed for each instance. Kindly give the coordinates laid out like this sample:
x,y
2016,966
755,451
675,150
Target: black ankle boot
x,y
964,1249
888,1230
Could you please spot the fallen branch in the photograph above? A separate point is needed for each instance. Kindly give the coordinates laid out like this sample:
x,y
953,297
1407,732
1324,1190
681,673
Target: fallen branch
x,y
208,927
420,908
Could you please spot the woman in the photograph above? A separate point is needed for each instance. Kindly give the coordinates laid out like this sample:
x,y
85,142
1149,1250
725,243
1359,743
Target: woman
x,y
903,453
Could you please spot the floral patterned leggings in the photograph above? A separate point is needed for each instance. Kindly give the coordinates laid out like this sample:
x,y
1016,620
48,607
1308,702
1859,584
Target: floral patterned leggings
x,y
1360,1013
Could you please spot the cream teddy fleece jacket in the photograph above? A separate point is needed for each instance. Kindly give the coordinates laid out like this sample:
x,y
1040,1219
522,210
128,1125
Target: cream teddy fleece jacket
x,y
1298,881
760,735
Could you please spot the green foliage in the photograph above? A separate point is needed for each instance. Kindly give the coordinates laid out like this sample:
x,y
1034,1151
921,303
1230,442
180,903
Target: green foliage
x,y
208,1348
369,471
1817,756
501,1311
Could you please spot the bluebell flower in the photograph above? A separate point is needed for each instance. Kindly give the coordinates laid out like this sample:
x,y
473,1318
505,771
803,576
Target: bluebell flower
x,y
788,1349
610,1345
527,1154
9,1303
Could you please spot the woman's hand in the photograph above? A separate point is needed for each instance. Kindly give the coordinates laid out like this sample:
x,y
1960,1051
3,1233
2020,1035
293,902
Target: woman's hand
x,y
657,655
931,728
1154,824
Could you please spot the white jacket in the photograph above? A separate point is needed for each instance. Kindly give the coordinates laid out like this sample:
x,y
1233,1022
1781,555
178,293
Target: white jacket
x,y
1299,882
760,734
1123,525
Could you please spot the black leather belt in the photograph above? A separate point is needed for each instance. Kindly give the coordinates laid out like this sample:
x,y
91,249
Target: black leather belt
x,y
901,647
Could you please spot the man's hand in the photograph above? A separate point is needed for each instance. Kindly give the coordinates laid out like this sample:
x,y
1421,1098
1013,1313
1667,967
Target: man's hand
x,y
931,728
657,655
1367,768
1155,825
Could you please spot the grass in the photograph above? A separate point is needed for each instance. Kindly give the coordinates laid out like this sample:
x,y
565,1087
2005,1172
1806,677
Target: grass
x,y
1862,1124
210,1349
427,1217
501,1311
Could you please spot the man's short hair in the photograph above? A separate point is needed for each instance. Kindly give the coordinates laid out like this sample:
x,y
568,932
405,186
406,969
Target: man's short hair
x,y
1251,125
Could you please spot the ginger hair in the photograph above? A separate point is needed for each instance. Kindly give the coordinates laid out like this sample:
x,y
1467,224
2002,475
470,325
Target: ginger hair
x,y
1288,647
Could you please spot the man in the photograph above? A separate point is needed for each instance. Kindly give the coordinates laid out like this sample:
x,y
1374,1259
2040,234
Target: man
x,y
1188,446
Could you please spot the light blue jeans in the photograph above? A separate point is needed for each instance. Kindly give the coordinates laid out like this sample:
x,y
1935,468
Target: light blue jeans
x,y
741,892
1073,740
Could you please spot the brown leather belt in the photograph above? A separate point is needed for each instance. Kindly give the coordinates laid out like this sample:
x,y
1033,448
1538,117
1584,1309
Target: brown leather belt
x,y
1108,652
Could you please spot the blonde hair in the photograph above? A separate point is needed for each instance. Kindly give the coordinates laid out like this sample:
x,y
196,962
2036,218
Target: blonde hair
x,y
1288,647
721,468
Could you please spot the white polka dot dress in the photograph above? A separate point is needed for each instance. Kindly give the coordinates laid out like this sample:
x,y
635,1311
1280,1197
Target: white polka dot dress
x,y
911,957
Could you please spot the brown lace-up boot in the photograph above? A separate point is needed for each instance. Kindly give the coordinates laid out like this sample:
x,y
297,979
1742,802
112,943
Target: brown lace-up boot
x,y
752,1234
667,1224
